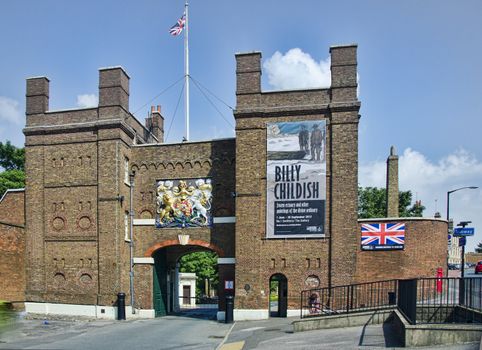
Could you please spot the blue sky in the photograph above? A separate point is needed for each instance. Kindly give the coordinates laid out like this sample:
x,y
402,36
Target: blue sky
x,y
419,72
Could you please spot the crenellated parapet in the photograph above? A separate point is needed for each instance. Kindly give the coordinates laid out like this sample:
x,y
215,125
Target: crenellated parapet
x,y
340,96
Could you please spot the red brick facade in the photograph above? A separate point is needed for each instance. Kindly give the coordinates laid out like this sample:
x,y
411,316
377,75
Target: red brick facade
x,y
12,246
78,193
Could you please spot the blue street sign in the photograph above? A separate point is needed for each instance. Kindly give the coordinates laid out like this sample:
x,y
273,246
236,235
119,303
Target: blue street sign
x,y
464,231
462,241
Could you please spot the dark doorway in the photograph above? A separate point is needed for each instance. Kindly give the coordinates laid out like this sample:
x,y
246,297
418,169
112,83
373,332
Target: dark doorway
x,y
278,295
176,264
186,293
160,293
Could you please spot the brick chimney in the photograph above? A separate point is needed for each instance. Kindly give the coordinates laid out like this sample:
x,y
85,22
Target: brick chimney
x,y
155,123
392,184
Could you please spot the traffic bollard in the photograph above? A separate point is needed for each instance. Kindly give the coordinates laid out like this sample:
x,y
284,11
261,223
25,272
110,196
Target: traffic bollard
x,y
229,309
121,306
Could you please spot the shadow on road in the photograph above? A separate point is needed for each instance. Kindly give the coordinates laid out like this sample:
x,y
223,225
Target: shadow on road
x,y
204,314
379,335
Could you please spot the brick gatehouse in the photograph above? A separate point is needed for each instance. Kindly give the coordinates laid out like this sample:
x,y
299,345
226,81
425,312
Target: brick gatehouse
x,y
270,213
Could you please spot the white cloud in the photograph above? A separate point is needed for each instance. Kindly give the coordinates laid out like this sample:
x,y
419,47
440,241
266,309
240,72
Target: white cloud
x,y
10,110
297,70
87,100
429,182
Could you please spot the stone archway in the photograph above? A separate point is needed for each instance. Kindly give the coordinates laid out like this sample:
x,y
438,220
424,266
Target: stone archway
x,y
192,242
165,272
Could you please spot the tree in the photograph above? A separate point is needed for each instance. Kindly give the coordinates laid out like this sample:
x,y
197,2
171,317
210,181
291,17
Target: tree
x,y
204,265
11,157
478,249
11,179
12,160
372,203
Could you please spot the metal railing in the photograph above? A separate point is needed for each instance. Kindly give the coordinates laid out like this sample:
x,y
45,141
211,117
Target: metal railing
x,y
348,298
421,300
441,300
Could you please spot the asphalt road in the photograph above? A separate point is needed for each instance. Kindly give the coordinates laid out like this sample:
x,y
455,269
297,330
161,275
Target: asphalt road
x,y
165,333
174,332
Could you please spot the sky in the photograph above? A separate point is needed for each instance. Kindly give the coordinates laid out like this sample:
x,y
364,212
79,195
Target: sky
x,y
419,71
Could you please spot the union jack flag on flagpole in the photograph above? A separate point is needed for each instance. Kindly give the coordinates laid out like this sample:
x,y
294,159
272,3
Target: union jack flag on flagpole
x,y
177,28
379,236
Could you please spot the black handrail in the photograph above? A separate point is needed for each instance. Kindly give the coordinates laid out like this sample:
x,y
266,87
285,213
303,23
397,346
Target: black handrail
x,y
420,300
348,298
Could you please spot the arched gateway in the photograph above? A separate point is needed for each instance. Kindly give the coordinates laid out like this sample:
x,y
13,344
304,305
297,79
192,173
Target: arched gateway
x,y
168,295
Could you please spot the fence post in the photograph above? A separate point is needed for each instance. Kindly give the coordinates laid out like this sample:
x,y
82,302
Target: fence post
x,y
301,304
462,291
348,299
351,297
407,299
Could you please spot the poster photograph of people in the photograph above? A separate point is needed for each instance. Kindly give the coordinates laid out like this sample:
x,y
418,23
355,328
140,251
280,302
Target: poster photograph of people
x,y
296,179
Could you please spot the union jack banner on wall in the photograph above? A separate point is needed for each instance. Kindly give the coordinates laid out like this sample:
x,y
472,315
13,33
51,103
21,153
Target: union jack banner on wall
x,y
383,236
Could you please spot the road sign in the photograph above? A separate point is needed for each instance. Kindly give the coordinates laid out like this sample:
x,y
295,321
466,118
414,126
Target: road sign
x,y
228,285
462,241
464,231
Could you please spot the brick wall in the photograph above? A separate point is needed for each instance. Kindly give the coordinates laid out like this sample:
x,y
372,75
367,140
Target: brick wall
x,y
300,260
75,179
12,263
425,251
12,247
12,209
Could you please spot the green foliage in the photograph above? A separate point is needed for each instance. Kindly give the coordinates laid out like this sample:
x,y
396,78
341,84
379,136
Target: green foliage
x,y
11,157
273,290
478,249
12,160
204,265
11,179
372,202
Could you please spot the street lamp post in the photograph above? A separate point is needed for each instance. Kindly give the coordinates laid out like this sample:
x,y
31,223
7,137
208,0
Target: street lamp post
x,y
448,209
131,243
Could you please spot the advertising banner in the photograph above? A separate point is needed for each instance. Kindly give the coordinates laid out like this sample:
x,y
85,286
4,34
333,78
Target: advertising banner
x,y
383,236
184,203
296,179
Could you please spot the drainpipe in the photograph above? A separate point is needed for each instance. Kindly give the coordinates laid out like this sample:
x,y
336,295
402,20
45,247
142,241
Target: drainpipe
x,y
131,245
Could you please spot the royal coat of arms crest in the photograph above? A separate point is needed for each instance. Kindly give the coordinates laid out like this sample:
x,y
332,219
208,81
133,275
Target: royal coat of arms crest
x,y
184,203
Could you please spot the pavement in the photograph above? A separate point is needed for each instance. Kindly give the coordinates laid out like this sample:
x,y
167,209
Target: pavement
x,y
277,334
181,332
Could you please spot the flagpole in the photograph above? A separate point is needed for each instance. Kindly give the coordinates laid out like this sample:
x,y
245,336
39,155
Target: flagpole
x,y
186,68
